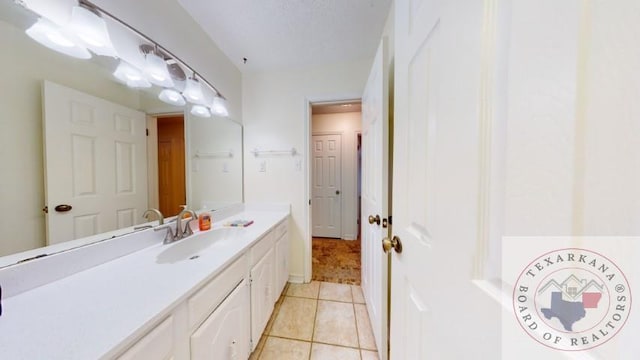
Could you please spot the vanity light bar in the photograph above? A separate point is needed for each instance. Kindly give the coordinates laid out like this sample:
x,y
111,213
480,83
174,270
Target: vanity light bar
x,y
160,47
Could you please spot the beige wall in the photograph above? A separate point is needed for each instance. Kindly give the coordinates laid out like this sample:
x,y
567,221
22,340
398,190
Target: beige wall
x,y
21,180
275,112
21,183
349,126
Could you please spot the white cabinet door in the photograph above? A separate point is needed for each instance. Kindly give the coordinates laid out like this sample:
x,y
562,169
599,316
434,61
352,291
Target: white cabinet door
x,y
157,344
262,294
225,333
282,263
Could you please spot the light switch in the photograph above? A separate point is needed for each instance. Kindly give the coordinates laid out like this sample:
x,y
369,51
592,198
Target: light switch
x,y
263,166
299,165
225,167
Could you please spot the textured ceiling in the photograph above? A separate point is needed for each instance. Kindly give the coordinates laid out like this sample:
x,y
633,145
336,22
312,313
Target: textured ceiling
x,y
276,34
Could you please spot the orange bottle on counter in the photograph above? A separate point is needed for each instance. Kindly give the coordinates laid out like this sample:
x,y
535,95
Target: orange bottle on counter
x,y
204,220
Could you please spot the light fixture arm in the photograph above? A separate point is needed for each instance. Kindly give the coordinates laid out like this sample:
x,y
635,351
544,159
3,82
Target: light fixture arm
x,y
94,7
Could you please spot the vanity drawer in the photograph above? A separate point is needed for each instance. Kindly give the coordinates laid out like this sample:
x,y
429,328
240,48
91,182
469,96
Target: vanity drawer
x,y
261,247
202,303
157,344
281,228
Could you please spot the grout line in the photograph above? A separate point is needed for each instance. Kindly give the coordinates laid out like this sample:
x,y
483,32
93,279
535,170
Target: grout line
x,y
313,330
355,318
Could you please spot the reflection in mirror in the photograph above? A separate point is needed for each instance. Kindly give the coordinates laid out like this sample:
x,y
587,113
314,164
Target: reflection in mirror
x,y
43,89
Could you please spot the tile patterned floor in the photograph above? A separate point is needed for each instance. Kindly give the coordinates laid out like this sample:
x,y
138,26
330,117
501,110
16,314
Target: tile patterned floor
x,y
318,321
336,260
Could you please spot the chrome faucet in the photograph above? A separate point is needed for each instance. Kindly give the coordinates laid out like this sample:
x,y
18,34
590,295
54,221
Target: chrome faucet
x,y
156,212
180,232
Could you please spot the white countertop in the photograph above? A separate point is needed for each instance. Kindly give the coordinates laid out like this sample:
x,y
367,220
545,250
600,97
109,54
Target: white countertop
x,y
95,312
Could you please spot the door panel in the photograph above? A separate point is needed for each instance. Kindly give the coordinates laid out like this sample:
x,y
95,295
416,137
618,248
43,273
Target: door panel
x,y
171,165
327,172
95,161
375,172
434,302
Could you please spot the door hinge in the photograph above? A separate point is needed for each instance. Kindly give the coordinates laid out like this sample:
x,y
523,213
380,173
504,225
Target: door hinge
x,y
309,201
147,132
250,345
390,222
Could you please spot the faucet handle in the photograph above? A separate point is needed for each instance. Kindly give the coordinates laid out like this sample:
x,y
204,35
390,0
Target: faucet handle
x,y
169,237
187,229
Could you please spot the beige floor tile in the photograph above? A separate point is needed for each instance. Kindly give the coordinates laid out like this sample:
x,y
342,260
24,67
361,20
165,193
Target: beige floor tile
x,y
335,324
358,296
365,334
274,314
331,352
295,319
369,355
285,349
336,292
256,353
309,290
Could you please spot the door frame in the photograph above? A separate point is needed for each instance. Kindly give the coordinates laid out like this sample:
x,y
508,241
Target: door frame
x,y
308,102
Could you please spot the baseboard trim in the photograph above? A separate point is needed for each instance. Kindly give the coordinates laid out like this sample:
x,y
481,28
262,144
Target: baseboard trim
x,y
296,279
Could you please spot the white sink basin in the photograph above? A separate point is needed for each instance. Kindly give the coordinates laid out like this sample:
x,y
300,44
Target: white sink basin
x,y
190,247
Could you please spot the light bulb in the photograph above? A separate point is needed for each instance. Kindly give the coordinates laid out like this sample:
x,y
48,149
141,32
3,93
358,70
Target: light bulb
x,y
55,38
193,91
91,29
156,71
219,107
200,111
171,97
130,75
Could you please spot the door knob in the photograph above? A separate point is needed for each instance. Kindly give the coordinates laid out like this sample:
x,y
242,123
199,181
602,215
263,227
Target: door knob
x,y
374,219
63,208
394,244
337,192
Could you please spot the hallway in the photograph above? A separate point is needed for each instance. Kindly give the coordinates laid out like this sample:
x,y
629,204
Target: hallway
x,y
336,260
318,321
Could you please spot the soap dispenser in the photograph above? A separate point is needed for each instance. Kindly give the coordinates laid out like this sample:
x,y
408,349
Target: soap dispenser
x,y
204,219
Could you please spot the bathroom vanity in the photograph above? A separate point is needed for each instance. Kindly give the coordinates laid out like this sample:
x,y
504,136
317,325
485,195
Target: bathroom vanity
x,y
207,296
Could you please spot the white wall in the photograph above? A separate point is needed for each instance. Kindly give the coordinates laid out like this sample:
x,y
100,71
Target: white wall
x,y
275,106
348,125
213,181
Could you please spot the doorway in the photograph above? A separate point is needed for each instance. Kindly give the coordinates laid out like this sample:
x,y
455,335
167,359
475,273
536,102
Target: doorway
x,y
166,148
335,207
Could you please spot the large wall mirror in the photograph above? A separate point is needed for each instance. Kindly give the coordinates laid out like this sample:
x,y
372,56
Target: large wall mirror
x,y
73,135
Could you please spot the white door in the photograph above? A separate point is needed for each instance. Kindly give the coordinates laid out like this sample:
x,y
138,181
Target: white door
x,y
95,162
375,172
327,165
436,310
